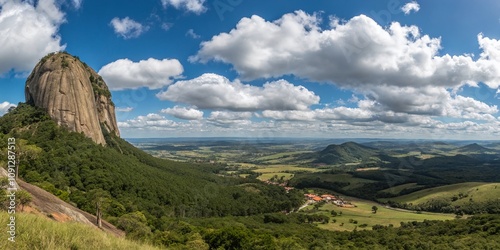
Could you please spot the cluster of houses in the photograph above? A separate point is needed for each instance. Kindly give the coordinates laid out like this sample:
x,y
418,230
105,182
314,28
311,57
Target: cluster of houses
x,y
284,185
313,198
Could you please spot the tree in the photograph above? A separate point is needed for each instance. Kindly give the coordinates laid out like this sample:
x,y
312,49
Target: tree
x,y
23,198
135,225
374,209
333,213
101,199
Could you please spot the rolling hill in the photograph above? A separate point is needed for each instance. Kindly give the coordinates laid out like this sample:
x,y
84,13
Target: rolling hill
x,y
349,152
475,148
467,197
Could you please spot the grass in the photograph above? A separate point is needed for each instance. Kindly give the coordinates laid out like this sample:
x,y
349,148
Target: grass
x,y
283,168
478,191
280,157
37,232
267,176
363,215
397,189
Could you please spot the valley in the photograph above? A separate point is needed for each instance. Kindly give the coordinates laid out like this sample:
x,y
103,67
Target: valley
x,y
404,179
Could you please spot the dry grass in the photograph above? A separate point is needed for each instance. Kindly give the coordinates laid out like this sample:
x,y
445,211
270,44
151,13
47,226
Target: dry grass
x,y
37,232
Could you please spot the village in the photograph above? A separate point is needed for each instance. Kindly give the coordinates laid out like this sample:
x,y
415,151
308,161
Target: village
x,y
314,198
328,198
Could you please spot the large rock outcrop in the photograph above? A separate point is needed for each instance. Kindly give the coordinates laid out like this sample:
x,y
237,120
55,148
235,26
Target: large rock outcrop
x,y
73,94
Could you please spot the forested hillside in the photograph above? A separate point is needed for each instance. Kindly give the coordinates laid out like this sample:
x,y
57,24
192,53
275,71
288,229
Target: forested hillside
x,y
130,184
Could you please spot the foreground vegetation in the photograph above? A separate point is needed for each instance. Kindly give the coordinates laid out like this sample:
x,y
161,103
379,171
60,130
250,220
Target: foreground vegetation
x,y
37,232
133,189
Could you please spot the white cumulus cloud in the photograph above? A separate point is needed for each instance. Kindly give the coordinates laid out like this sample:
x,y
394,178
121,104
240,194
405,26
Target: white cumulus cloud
x,y
409,7
184,113
152,73
28,31
195,6
355,53
229,118
127,27
5,106
212,91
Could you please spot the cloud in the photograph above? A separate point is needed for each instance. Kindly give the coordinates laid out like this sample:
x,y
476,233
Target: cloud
x,y
77,3
222,123
212,91
357,53
167,26
426,101
409,7
124,109
149,121
28,32
192,34
230,116
152,73
127,28
184,113
4,107
195,6
230,119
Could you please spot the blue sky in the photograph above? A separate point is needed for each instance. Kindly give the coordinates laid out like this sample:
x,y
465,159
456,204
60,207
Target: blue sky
x,y
384,69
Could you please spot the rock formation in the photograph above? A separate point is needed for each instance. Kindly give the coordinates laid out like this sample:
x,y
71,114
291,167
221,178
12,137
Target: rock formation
x,y
73,94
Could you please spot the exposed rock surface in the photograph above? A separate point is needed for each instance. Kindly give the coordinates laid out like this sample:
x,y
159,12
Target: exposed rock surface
x,y
73,94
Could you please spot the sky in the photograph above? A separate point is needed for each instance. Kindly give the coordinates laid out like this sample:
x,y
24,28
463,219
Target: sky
x,y
285,68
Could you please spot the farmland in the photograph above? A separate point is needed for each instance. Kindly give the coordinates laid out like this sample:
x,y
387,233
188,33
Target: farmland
x,y
362,216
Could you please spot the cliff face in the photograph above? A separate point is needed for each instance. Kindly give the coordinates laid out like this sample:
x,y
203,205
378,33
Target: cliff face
x,y
73,94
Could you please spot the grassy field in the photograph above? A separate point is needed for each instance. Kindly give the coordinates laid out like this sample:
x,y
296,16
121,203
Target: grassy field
x,y
280,168
478,191
280,157
269,171
36,232
363,215
397,189
268,176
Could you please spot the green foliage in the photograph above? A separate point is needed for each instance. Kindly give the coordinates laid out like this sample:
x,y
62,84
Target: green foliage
x,y
275,218
72,167
135,225
64,63
99,86
21,117
37,232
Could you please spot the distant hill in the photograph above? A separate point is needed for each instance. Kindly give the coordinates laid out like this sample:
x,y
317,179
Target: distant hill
x,y
495,145
467,197
475,148
349,152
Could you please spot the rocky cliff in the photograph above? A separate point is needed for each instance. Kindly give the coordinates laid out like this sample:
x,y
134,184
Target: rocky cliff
x,y
73,94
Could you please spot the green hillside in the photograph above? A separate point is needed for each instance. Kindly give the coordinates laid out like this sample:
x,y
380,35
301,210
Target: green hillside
x,y
36,232
469,197
131,185
349,152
